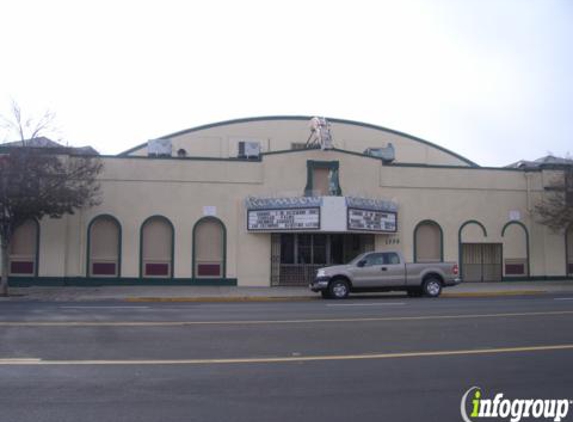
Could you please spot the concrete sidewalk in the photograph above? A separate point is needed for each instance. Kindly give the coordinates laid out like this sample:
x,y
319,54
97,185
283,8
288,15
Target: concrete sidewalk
x,y
238,294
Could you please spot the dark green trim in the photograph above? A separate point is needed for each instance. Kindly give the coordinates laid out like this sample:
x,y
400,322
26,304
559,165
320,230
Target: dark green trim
x,y
307,118
455,167
116,281
519,223
567,246
311,165
89,243
147,220
305,150
291,151
543,278
201,220
37,266
145,157
441,238
460,260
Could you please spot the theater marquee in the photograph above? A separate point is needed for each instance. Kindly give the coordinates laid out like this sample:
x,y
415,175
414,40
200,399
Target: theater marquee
x,y
284,219
371,220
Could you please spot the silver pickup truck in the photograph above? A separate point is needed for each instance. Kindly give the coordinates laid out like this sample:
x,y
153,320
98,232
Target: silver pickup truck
x,y
382,272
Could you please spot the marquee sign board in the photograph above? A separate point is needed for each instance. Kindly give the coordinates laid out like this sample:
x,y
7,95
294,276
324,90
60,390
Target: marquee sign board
x,y
284,219
371,220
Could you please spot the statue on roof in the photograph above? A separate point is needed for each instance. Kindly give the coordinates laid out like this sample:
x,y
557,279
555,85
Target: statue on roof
x,y
320,133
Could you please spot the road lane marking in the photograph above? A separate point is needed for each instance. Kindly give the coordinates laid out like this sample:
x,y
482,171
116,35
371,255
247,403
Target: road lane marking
x,y
365,304
20,361
104,307
286,359
563,298
272,322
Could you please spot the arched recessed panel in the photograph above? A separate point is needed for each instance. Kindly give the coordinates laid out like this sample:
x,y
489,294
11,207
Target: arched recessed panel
x,y
24,249
157,247
209,248
515,249
104,247
472,231
479,259
428,242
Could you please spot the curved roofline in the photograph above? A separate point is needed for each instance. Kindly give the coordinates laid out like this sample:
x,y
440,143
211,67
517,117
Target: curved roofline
x,y
297,118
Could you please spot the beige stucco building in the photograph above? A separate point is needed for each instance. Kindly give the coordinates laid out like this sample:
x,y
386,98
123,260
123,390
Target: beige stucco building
x,y
248,202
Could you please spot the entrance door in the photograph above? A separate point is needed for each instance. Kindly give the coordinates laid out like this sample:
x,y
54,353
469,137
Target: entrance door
x,y
295,257
481,261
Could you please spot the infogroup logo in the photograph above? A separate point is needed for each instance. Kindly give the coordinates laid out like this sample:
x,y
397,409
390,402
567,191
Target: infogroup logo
x,y
514,409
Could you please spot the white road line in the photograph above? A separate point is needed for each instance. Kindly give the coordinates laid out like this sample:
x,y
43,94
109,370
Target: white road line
x,y
286,359
366,304
20,361
285,321
104,307
563,298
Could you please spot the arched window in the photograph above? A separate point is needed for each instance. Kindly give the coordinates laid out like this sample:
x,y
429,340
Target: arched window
x,y
104,247
428,242
569,249
157,247
209,245
24,249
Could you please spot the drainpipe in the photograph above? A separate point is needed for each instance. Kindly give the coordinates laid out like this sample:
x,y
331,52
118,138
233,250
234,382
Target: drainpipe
x,y
527,176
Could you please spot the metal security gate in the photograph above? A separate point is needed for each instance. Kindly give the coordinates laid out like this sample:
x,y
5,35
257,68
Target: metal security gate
x,y
295,258
481,261
275,259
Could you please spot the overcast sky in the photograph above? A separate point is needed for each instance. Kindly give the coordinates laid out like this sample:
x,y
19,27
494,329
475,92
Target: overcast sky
x,y
488,79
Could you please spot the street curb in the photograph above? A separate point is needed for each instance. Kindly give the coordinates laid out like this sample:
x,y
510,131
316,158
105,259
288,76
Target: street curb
x,y
227,299
231,299
495,294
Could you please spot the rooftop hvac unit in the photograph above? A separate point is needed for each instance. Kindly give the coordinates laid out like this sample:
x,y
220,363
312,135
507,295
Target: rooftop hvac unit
x,y
159,148
249,149
386,154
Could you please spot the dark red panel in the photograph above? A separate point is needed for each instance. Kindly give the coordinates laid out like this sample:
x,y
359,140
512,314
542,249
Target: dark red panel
x,y
157,269
209,270
22,267
103,268
514,269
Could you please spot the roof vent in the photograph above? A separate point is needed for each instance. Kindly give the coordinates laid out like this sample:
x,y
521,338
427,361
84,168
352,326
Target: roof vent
x,y
249,149
159,148
387,154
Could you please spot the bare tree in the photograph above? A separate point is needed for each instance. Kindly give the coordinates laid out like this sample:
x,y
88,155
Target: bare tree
x,y
18,126
555,210
36,182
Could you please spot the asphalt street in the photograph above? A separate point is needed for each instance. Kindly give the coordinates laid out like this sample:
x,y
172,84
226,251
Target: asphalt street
x,y
367,359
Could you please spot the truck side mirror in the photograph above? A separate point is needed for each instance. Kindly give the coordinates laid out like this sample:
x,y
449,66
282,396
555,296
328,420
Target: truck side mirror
x,y
361,263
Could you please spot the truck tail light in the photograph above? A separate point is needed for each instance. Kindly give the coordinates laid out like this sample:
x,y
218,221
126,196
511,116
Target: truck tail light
x,y
455,269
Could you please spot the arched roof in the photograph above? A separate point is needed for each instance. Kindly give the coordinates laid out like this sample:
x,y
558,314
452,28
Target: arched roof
x,y
307,118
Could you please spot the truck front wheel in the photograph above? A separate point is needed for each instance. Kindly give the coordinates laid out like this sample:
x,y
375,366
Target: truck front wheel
x,y
432,287
339,288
